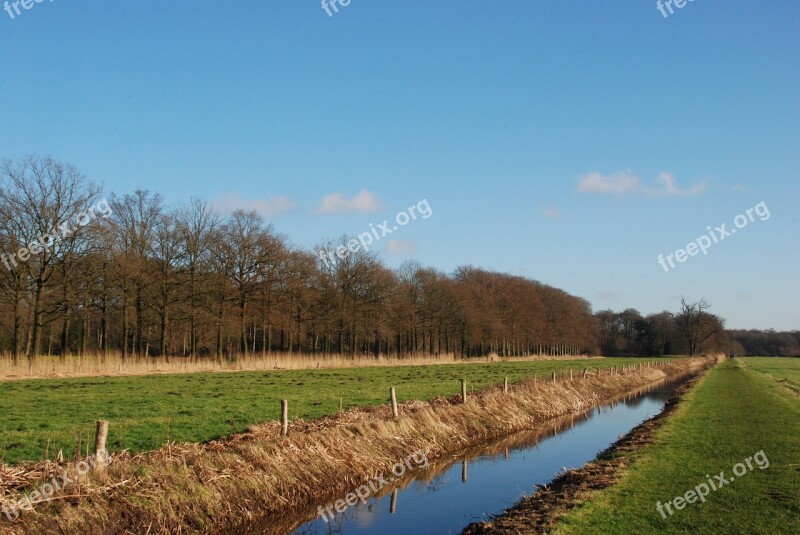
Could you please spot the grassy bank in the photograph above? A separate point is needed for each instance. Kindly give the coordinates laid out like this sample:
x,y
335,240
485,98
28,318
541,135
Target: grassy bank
x,y
742,407
200,487
40,417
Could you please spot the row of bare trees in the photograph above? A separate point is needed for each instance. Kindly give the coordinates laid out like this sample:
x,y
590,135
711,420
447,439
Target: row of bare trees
x,y
141,278
690,331
766,342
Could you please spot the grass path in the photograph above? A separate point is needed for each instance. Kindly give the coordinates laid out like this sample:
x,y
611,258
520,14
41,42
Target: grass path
x,y
741,408
45,415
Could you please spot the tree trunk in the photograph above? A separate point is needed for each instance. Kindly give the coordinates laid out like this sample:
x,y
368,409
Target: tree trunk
x,y
36,343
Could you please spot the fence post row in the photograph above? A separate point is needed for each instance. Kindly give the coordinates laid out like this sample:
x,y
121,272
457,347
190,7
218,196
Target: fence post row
x,y
102,425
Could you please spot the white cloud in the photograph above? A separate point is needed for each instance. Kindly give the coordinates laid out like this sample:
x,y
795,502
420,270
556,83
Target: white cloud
x,y
336,203
669,186
620,183
271,206
401,247
627,182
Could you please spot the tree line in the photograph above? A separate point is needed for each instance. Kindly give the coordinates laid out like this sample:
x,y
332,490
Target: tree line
x,y
83,273
689,331
765,342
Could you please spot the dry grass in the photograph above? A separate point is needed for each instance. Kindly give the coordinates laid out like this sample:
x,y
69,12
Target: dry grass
x,y
247,477
114,365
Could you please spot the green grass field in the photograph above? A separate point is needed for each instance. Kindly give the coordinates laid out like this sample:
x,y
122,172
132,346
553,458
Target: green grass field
x,y
45,415
742,407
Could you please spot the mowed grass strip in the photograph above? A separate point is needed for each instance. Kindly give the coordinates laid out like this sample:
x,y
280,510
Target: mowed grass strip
x,y
739,409
39,417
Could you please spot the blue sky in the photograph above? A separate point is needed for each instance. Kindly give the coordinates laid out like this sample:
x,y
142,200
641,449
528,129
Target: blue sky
x,y
495,112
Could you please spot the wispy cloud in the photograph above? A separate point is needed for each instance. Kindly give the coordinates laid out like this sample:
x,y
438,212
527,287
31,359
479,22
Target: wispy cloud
x,y
551,212
270,206
628,183
401,247
336,203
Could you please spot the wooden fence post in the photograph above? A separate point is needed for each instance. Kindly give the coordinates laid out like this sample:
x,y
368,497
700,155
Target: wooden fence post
x,y
100,451
393,397
463,390
554,377
284,417
585,372
505,385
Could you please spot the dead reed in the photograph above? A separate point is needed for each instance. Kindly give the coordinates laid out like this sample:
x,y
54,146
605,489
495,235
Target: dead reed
x,y
114,365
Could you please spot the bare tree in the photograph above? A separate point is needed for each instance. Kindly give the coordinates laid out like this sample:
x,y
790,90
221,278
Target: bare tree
x,y
196,225
41,201
167,255
136,217
696,325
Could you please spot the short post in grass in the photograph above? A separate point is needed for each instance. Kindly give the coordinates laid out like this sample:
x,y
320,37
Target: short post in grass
x,y
554,377
393,396
463,390
505,385
284,417
585,373
570,374
100,451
